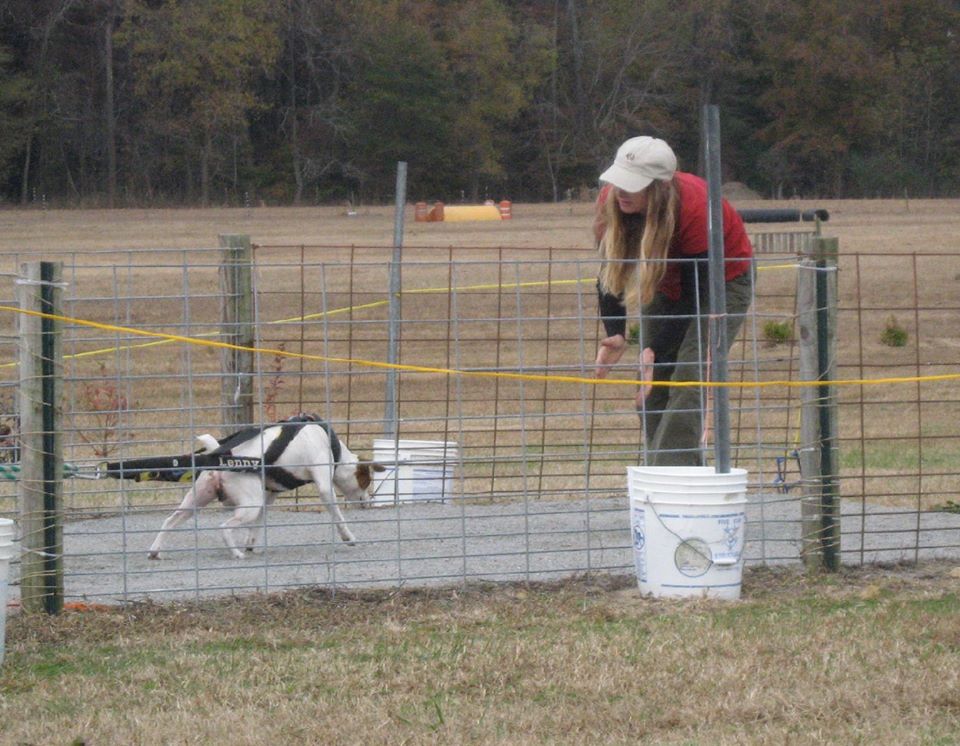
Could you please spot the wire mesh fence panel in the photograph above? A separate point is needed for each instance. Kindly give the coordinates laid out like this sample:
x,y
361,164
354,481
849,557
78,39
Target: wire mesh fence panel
x,y
509,461
899,442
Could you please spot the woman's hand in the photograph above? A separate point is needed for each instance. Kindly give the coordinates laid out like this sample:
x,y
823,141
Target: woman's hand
x,y
646,375
609,353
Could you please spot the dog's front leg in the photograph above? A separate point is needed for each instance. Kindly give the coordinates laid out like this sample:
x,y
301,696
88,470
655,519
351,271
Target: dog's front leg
x,y
342,528
322,478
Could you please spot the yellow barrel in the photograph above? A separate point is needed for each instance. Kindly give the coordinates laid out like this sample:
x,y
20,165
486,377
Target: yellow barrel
x,y
460,213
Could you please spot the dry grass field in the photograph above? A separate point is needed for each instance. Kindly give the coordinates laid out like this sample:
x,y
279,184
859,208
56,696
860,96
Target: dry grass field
x,y
863,657
861,225
868,656
899,260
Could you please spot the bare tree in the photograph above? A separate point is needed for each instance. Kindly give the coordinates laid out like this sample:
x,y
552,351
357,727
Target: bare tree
x,y
109,113
42,25
318,54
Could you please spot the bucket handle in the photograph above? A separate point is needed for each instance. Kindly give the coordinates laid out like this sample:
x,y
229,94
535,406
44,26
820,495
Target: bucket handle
x,y
384,479
719,562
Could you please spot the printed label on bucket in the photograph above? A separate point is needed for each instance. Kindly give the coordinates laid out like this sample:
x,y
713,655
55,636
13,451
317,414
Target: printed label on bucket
x,y
639,545
733,536
693,557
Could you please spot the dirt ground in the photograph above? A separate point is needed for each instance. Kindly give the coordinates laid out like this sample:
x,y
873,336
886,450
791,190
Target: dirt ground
x,y
434,544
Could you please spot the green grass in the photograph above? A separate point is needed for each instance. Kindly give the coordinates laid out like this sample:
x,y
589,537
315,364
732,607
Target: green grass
x,y
899,457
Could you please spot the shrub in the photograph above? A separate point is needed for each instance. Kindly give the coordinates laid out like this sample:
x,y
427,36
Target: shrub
x,y
777,332
893,334
9,430
271,389
948,507
103,407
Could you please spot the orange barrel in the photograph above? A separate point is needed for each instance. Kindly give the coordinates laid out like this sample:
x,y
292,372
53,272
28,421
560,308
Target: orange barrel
x,y
506,210
436,214
420,212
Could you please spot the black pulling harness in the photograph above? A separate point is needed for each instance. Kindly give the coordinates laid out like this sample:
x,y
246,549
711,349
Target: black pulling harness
x,y
183,468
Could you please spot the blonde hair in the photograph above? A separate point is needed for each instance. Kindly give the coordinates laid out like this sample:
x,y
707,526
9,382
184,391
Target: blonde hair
x,y
624,253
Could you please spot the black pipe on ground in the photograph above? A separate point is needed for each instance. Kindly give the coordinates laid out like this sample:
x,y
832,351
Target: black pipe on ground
x,y
783,216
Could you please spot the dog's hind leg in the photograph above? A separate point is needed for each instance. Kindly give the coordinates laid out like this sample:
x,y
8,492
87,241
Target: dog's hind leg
x,y
202,492
242,517
245,493
252,534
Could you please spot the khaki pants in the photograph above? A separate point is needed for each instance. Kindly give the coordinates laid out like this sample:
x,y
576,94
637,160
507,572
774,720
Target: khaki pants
x,y
672,417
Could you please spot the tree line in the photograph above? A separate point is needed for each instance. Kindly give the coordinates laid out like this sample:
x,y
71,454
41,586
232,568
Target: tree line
x,y
148,102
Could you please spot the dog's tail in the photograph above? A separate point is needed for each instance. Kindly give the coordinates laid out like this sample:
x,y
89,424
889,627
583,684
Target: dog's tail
x,y
208,442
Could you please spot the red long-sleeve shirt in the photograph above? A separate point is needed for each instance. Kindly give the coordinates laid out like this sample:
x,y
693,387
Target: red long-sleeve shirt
x,y
691,237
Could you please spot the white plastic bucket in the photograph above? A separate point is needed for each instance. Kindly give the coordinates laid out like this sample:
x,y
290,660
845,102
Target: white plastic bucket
x,y
688,525
7,547
416,470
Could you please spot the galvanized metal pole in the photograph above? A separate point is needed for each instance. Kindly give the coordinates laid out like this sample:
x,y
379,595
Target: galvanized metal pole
x,y
391,424
718,292
237,328
816,317
825,254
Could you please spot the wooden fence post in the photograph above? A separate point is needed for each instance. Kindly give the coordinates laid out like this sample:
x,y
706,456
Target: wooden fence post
x,y
40,487
236,389
809,453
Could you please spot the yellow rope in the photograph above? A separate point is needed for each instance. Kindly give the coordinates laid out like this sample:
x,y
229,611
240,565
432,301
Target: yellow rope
x,y
478,374
347,309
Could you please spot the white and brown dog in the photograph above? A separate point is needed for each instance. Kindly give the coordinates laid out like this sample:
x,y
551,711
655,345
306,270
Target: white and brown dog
x,y
255,465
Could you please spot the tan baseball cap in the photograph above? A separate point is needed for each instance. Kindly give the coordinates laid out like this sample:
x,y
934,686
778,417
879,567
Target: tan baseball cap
x,y
639,161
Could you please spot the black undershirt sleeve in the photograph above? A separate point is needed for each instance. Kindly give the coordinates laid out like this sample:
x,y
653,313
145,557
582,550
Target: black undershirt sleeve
x,y
666,331
613,314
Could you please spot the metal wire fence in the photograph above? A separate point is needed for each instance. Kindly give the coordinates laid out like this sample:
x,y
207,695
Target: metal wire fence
x,y
496,350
